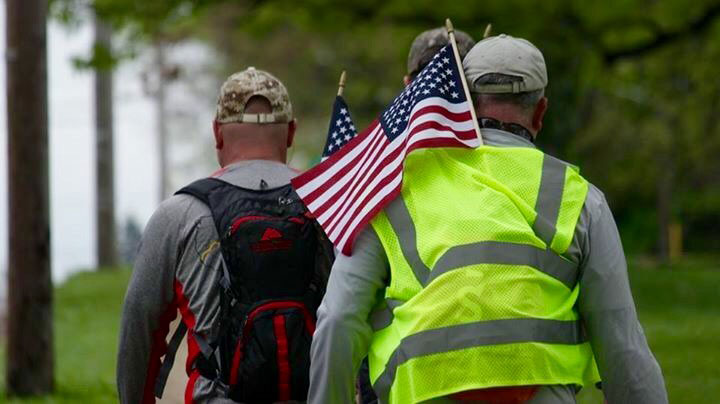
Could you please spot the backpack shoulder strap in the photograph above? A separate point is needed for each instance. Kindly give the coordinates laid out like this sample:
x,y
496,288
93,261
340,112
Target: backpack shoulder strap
x,y
167,363
202,188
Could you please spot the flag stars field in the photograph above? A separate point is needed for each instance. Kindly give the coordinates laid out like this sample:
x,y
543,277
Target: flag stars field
x,y
357,179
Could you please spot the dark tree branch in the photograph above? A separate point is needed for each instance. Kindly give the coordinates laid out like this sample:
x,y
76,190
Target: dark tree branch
x,y
664,38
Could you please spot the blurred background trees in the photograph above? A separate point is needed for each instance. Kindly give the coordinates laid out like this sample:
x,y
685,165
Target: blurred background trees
x,y
634,93
634,101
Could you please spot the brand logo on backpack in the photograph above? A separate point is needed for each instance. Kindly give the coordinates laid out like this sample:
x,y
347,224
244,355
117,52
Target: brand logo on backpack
x,y
271,240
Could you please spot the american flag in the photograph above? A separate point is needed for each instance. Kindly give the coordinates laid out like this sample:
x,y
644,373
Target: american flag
x,y
342,129
348,189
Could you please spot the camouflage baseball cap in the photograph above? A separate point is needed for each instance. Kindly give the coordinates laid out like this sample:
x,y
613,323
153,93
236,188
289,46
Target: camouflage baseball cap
x,y
428,43
241,86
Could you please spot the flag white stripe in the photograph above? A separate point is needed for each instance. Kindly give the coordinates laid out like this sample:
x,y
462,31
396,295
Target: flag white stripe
x,y
422,135
340,203
386,190
460,126
353,177
358,181
326,175
341,183
454,107
387,169
346,159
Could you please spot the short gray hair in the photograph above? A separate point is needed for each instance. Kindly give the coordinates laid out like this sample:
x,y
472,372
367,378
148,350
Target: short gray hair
x,y
525,100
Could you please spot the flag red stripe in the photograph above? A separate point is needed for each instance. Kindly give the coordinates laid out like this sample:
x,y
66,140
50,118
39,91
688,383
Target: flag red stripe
x,y
397,171
369,189
426,143
432,142
455,116
350,205
329,213
373,168
440,127
349,196
347,247
310,174
339,175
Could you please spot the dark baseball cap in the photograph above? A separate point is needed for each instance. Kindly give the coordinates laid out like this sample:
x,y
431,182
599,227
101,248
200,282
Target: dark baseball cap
x,y
428,43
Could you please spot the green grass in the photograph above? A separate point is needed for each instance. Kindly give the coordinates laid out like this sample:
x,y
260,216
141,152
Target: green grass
x,y
678,306
87,319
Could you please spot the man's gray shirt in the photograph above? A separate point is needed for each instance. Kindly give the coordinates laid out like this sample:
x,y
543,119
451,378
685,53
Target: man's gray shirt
x,y
178,268
628,369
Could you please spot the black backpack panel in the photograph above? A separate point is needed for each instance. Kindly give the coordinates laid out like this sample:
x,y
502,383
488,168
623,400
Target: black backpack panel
x,y
277,262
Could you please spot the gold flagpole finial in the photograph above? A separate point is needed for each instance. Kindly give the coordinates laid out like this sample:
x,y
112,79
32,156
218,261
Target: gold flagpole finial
x,y
449,26
488,30
341,84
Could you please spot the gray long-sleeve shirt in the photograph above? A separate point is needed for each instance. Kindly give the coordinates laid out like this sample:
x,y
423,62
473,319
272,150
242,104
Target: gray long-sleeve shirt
x,y
628,369
178,268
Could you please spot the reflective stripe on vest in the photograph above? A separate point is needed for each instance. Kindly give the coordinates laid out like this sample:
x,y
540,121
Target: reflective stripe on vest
x,y
487,252
462,336
549,198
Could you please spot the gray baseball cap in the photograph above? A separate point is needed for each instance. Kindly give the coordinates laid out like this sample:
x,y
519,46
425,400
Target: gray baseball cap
x,y
241,86
506,55
429,42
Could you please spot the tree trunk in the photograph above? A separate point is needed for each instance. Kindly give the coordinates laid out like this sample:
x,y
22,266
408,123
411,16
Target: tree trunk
x,y
163,186
105,184
30,332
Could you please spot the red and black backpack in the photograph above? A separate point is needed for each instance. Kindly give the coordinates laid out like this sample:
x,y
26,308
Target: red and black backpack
x,y
276,264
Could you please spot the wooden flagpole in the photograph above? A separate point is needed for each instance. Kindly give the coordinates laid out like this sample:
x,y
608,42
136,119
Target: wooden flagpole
x,y
488,31
451,34
341,84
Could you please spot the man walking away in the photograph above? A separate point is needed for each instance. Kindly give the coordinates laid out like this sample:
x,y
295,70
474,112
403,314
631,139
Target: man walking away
x,y
239,257
497,276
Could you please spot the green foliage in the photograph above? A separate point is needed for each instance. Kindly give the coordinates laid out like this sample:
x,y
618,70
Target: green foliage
x,y
101,58
633,88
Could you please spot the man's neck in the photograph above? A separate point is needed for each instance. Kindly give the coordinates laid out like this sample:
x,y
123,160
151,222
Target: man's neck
x,y
514,128
251,157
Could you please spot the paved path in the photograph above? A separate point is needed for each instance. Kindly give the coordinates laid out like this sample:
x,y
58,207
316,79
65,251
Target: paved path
x,y
175,387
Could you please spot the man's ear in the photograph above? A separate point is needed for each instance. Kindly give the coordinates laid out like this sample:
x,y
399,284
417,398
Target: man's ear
x,y
218,135
292,127
539,114
406,80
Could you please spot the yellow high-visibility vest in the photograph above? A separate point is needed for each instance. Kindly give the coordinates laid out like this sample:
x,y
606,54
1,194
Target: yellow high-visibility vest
x,y
482,293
